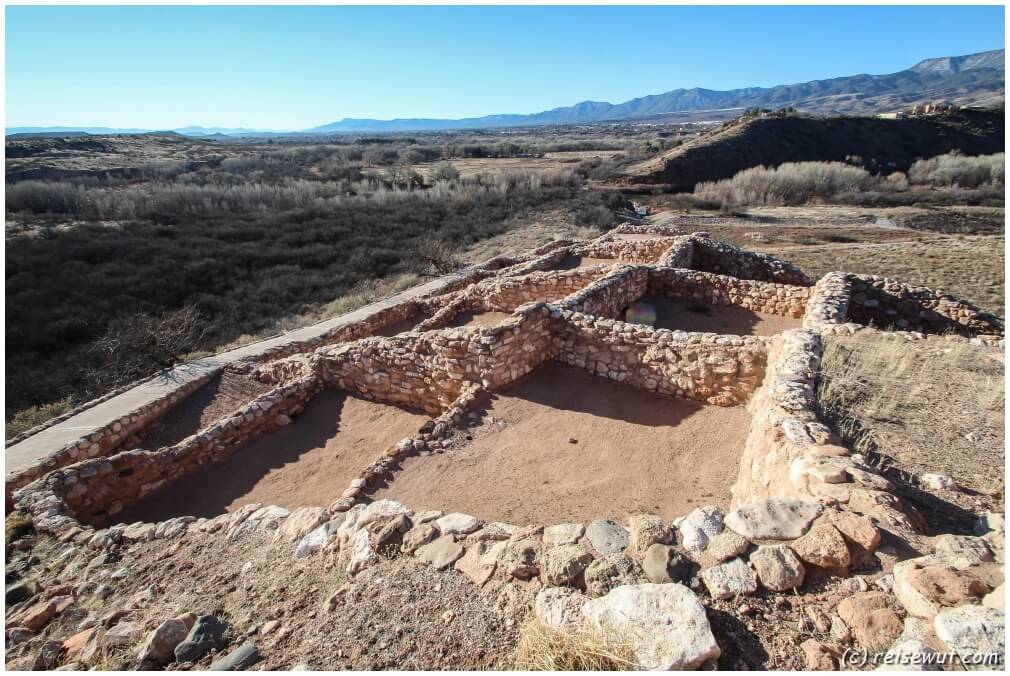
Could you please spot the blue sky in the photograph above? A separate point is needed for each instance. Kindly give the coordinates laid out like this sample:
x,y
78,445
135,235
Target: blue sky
x,y
298,67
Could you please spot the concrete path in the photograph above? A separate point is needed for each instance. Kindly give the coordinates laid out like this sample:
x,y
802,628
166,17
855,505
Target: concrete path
x,y
25,453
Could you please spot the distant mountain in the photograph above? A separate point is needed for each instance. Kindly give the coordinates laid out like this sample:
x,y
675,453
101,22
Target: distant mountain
x,y
971,79
975,78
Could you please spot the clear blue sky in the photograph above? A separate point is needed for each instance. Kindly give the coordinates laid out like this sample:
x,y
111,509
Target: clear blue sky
x,y
297,67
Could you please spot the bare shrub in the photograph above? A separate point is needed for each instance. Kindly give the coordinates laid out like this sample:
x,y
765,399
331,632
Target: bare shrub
x,y
136,345
956,170
788,184
434,257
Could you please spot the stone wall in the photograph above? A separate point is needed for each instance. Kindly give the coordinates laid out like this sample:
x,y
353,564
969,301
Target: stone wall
x,y
725,259
767,297
505,294
680,254
96,489
608,246
428,370
634,229
720,370
829,301
105,440
610,294
888,303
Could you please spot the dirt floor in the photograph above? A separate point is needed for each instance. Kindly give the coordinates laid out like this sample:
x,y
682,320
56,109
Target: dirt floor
x,y
690,315
401,326
632,237
308,463
218,398
564,445
479,319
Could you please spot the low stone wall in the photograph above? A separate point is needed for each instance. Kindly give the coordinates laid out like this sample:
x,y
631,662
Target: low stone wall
x,y
721,370
888,303
505,294
634,229
610,294
105,440
680,254
96,489
725,259
428,370
766,297
608,246
829,301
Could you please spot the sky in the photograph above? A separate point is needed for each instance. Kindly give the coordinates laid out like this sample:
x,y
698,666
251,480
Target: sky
x,y
291,68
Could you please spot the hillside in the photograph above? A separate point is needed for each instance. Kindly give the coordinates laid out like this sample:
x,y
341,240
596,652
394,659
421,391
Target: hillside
x,y
883,145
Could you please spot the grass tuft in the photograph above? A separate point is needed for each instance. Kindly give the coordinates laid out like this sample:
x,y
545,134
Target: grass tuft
x,y
542,648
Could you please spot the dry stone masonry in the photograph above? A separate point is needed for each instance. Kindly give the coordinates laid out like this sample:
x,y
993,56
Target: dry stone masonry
x,y
802,502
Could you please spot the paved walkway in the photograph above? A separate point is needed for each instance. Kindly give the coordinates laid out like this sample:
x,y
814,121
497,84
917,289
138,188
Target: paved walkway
x,y
25,453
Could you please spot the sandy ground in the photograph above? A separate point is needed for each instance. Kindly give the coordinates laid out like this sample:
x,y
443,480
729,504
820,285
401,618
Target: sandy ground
x,y
308,463
401,326
632,453
691,315
218,398
479,319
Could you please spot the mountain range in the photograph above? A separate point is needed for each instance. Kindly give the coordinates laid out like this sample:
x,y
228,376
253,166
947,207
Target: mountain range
x,y
972,79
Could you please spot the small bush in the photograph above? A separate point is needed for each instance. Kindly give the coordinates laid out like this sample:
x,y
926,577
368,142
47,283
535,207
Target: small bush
x,y
955,170
788,184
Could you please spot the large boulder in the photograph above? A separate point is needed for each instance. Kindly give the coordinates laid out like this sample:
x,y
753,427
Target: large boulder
x,y
822,546
773,518
871,619
664,624
973,631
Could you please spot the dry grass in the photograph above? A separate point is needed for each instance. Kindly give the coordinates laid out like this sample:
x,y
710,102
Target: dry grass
x,y
542,648
919,407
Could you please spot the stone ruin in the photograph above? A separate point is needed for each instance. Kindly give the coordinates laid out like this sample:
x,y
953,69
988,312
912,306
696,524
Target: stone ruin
x,y
801,500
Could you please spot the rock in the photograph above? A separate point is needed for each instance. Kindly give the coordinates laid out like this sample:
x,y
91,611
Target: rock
x,y
519,559
723,547
315,540
75,644
699,526
778,568
362,554
476,565
822,546
962,551
856,529
909,655
390,538
665,624
18,592
995,599
441,553
937,482
16,636
559,608
607,537
301,522
123,634
35,616
420,534
612,571
840,631
924,587
207,634
773,518
817,617
645,530
818,656
870,617
159,648
48,656
733,578
563,534
990,522
562,565
239,659
663,564
456,523
972,630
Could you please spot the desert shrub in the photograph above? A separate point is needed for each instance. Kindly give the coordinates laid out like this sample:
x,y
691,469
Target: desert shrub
x,y
788,184
36,415
956,170
443,171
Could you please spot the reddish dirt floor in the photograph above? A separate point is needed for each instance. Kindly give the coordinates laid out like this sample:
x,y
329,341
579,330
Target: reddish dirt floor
x,y
564,445
479,319
308,463
691,315
636,237
218,398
